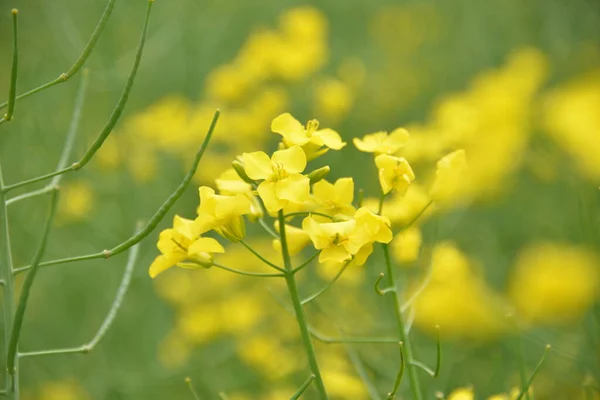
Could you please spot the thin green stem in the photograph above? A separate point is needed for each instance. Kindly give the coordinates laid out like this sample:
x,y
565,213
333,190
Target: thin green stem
x,y
26,289
306,213
260,257
525,388
391,395
12,92
108,320
354,340
80,60
378,289
307,262
67,148
247,273
303,388
112,121
188,382
413,378
299,311
416,217
328,286
153,222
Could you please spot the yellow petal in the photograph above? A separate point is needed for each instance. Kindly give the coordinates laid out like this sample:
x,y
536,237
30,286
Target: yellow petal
x,y
205,245
257,165
293,159
290,128
334,254
330,138
344,188
398,138
162,263
294,188
266,191
230,207
371,142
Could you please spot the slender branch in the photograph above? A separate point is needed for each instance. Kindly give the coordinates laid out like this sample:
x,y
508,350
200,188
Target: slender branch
x,y
307,262
303,388
108,320
260,257
112,121
379,290
306,213
26,289
267,228
331,340
153,222
326,287
438,358
247,273
408,303
68,147
392,395
525,388
12,92
80,60
416,217
188,381
299,311
421,365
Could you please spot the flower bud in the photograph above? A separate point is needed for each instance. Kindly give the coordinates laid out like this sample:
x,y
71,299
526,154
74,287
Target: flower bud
x,y
239,169
318,174
234,230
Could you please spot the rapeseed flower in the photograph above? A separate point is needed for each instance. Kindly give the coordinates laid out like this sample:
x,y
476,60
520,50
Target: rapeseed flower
x,y
383,143
282,181
222,213
395,173
335,198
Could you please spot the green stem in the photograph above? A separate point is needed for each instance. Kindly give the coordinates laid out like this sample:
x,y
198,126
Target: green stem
x,y
303,388
307,213
26,290
247,273
12,93
153,222
112,121
260,257
411,371
80,60
299,311
326,287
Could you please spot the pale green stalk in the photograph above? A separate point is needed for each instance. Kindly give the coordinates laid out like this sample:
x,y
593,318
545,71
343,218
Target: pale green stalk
x,y
326,287
80,60
299,311
303,388
112,121
12,92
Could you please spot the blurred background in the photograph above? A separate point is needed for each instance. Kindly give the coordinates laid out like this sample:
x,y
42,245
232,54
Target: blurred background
x,y
513,265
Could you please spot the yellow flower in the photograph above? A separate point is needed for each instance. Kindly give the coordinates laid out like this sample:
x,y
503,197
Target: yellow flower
x,y
382,143
332,238
461,394
221,213
296,238
229,183
370,228
406,245
183,246
450,177
282,182
335,198
395,173
313,138
554,283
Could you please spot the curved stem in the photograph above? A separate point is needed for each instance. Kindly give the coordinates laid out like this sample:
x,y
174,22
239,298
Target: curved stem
x,y
326,287
153,222
26,290
260,257
303,388
87,50
112,121
307,262
299,311
12,92
247,273
108,320
306,213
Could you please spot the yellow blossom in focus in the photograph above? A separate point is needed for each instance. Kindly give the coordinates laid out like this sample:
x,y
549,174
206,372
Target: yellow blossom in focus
x,y
336,198
282,181
554,283
222,213
311,137
297,239
332,238
407,245
450,177
382,143
395,173
183,246
230,184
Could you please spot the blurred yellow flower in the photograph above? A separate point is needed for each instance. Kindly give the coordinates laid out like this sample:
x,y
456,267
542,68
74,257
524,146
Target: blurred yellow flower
x,y
63,390
554,283
395,173
451,178
183,246
461,394
333,99
382,143
406,246
282,182
77,201
222,213
297,239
